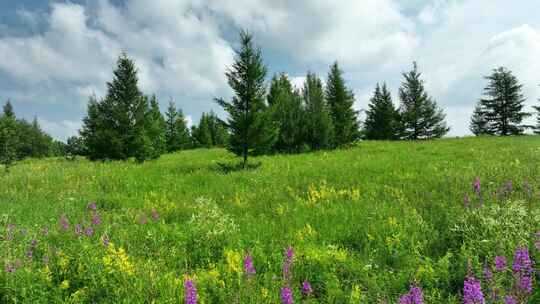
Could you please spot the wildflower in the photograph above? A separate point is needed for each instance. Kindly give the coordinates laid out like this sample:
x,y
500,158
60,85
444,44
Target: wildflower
x,y
33,243
500,263
415,296
522,261
476,185
105,240
286,295
525,284
488,274
466,201
10,268
89,231
96,220
155,215
64,222
288,263
64,284
29,253
78,229
249,269
508,186
510,300
472,291
537,241
45,231
191,292
92,206
306,288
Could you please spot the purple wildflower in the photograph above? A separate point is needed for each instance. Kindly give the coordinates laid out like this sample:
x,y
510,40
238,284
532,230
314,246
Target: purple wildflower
x,y
89,231
155,215
92,206
286,295
477,186
96,220
415,296
466,201
510,300
488,274
522,261
525,284
105,240
508,186
33,243
191,292
500,263
29,253
289,255
472,291
10,268
45,231
249,269
64,222
306,288
78,229
537,241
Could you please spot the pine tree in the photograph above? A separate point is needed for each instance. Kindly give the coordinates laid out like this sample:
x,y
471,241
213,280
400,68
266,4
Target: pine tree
x,y
287,112
382,118
319,127
156,129
251,132
479,123
9,139
504,102
341,100
116,127
420,116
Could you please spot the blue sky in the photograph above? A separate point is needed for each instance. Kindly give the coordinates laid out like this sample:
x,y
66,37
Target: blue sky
x,y
54,54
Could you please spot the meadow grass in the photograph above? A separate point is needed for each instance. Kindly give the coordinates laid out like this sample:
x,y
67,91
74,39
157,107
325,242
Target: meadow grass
x,y
364,223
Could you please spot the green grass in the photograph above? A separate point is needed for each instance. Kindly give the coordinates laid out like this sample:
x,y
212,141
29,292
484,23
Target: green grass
x,y
364,223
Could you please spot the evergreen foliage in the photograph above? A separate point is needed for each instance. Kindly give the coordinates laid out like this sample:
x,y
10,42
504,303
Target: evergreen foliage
x,y
420,116
249,124
479,124
503,103
319,127
176,132
382,118
340,100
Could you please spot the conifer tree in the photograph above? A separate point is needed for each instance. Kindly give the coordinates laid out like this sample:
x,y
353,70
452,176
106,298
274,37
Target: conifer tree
x,y
479,123
420,116
251,132
340,100
288,114
536,128
319,127
8,137
218,131
382,118
177,133
202,134
156,129
503,103
116,127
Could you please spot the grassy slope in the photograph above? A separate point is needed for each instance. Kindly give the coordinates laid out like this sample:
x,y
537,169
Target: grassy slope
x,y
355,194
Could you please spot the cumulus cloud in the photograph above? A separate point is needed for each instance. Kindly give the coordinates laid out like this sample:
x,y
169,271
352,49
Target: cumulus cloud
x,y
182,48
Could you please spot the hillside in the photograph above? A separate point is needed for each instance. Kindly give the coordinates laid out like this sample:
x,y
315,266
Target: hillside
x,y
364,223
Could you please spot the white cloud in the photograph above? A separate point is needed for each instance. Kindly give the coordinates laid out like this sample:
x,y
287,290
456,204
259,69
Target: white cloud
x,y
61,129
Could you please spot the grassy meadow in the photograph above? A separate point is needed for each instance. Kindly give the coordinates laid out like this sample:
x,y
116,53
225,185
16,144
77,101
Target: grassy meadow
x,y
364,224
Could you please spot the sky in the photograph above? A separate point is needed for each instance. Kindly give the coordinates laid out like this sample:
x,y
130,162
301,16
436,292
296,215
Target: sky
x,y
55,54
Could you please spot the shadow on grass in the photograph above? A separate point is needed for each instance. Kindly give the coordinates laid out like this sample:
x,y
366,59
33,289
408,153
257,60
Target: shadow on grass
x,y
227,168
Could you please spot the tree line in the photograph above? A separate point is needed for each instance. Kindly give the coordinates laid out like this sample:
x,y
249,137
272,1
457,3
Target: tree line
x,y
261,119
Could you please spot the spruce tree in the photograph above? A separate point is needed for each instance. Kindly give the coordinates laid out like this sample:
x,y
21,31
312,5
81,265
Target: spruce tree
x,y
319,127
156,129
287,113
420,116
382,118
536,128
503,103
251,131
177,133
116,127
479,123
9,139
202,134
340,100
218,131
